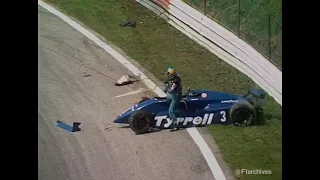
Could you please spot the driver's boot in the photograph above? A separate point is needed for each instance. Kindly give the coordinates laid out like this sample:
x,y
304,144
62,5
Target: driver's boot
x,y
175,127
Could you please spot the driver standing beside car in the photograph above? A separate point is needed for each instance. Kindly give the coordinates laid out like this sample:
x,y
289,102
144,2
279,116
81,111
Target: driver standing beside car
x,y
174,91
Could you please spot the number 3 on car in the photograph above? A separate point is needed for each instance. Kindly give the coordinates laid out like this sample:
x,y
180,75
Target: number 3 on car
x,y
223,116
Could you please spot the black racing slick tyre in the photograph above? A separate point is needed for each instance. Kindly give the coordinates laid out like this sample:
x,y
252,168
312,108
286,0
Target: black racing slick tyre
x,y
243,114
140,122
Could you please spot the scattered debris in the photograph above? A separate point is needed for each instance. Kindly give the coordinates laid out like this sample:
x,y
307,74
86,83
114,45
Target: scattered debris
x,y
108,128
86,74
69,128
129,23
125,80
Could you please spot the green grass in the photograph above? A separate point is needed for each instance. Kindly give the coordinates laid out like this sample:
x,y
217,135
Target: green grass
x,y
156,45
254,22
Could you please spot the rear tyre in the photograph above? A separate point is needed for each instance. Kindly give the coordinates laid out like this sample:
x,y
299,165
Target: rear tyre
x,y
243,114
140,122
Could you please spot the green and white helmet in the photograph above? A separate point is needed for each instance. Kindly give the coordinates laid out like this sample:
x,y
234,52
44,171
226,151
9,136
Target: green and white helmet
x,y
171,72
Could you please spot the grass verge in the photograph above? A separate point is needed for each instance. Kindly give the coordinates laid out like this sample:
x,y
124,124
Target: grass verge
x,y
254,22
156,45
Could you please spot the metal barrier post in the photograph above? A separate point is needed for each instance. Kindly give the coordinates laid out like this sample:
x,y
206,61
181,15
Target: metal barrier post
x,y
239,19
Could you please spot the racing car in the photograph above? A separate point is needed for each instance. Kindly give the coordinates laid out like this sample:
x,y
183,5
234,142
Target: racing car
x,y
197,108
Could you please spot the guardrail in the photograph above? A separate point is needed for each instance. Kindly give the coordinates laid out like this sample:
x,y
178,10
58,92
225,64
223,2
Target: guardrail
x,y
220,42
238,16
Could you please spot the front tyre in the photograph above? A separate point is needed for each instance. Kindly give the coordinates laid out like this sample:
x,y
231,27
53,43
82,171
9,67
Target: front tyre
x,y
243,114
140,122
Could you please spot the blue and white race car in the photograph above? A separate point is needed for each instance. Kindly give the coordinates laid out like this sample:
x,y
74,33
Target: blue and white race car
x,y
197,108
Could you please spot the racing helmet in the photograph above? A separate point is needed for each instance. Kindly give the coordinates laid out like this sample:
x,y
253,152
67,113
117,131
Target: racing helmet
x,y
171,72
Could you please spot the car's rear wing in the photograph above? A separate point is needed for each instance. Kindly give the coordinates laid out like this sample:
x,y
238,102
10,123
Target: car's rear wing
x,y
257,97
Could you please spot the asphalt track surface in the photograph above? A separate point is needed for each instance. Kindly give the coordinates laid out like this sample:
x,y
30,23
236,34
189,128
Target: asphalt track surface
x,y
76,84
